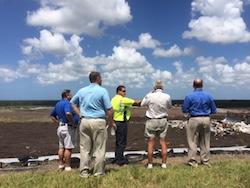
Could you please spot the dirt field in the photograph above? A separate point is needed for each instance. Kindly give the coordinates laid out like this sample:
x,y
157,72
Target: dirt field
x,y
32,132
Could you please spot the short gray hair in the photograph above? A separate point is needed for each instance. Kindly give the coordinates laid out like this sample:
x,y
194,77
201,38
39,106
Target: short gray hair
x,y
158,84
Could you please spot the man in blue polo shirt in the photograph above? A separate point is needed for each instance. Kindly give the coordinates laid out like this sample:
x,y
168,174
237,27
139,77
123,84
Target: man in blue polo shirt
x,y
199,105
66,120
92,104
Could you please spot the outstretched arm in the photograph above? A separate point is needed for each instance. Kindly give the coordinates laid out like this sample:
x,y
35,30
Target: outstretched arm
x,y
137,103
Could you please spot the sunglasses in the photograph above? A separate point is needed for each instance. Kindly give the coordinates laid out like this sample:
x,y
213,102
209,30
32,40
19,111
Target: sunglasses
x,y
123,91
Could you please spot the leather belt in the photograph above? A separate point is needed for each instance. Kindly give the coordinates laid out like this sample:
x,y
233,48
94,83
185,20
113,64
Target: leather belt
x,y
200,116
63,124
158,118
120,121
92,117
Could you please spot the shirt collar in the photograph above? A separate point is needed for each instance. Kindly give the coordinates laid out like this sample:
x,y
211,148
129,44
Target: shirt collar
x,y
158,90
198,89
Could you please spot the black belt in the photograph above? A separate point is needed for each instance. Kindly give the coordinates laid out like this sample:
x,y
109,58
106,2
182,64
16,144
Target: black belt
x,y
200,116
121,121
93,117
66,124
63,124
158,118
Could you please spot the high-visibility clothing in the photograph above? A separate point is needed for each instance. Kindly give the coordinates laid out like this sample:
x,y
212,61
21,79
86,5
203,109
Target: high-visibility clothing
x,y
121,107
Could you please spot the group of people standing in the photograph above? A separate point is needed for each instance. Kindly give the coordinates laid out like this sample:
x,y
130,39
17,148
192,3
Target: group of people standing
x,y
91,107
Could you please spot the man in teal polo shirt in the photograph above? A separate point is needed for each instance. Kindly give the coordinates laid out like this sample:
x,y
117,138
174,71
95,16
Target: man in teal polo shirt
x,y
92,104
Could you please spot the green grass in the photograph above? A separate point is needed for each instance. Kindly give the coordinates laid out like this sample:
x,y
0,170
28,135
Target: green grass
x,y
24,115
222,174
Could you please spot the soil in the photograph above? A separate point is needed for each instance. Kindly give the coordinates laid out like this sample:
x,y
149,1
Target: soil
x,y
31,132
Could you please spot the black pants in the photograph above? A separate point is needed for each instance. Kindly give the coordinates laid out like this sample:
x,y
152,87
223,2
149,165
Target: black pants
x,y
121,141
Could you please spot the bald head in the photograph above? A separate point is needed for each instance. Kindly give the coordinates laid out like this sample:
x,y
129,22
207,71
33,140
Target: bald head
x,y
198,83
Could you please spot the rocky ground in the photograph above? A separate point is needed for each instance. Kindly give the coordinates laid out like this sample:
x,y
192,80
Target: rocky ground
x,y
31,132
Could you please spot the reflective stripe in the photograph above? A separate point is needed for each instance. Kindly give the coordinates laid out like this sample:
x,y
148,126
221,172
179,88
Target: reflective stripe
x,y
120,109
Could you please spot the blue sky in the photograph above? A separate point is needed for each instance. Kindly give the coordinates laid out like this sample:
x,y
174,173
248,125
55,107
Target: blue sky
x,y
49,45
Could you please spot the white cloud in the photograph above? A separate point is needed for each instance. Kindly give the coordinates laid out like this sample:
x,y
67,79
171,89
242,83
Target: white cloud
x,y
175,51
8,75
128,67
73,66
127,58
26,68
220,22
80,16
125,77
145,41
226,73
161,75
217,73
182,78
247,59
207,65
50,43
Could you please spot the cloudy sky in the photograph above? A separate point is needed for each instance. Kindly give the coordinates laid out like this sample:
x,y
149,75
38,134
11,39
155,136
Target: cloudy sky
x,y
49,45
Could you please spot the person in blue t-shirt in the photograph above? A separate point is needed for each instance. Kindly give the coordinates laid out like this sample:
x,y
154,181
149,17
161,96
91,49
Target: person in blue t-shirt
x,y
199,105
67,122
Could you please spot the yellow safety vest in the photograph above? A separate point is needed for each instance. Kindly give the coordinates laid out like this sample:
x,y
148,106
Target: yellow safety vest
x,y
121,106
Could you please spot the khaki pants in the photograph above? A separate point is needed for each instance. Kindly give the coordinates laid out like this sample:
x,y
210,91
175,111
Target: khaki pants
x,y
198,132
93,137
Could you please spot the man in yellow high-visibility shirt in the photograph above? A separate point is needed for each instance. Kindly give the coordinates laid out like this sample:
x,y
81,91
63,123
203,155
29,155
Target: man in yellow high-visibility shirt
x,y
121,105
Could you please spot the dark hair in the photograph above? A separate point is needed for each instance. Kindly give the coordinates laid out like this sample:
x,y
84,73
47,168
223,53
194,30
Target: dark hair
x,y
93,76
119,88
65,93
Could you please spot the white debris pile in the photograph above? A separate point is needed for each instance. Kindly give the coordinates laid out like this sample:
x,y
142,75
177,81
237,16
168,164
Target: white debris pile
x,y
222,127
229,126
177,124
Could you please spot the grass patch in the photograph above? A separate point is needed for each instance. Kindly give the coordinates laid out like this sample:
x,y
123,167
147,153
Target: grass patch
x,y
24,115
222,174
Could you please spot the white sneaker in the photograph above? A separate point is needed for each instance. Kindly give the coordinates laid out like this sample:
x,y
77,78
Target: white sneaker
x,y
164,165
61,167
150,166
68,169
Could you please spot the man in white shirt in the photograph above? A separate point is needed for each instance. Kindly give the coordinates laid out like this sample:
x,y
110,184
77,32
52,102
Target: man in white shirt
x,y
157,104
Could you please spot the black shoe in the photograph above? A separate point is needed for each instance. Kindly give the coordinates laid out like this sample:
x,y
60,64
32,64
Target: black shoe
x,y
114,161
124,162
